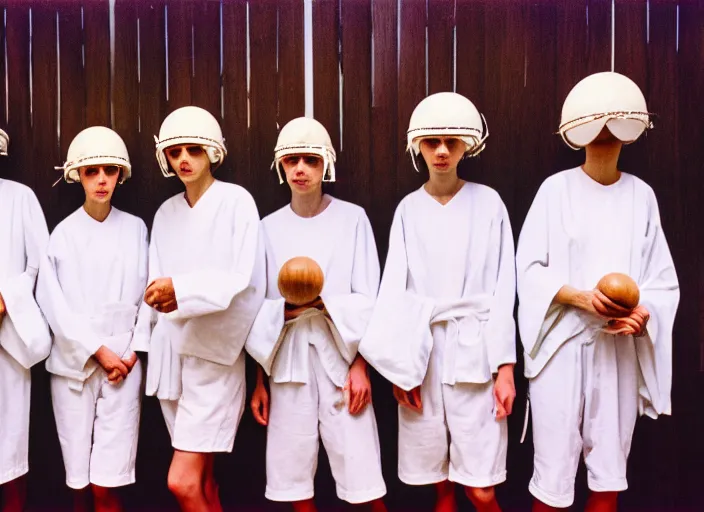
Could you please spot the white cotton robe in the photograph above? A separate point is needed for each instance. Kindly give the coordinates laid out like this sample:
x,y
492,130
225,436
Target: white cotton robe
x,y
308,358
444,319
24,335
90,289
587,387
215,257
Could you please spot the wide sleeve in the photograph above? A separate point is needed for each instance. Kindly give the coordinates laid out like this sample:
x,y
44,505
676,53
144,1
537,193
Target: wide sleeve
x,y
265,337
146,316
24,333
398,340
350,312
210,290
540,273
500,329
80,342
660,294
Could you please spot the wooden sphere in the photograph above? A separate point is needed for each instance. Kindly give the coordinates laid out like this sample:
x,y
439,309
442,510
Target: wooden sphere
x,y
621,289
300,280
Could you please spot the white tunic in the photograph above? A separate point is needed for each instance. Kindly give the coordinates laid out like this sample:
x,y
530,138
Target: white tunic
x,y
308,358
24,335
91,287
214,255
341,241
449,267
576,231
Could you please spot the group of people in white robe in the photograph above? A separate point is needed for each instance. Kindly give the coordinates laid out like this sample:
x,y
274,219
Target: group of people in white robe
x,y
200,291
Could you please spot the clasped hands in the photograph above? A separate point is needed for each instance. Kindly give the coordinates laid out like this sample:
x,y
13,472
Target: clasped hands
x,y
622,321
159,295
116,368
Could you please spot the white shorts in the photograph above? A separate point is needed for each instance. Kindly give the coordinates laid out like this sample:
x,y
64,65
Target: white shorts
x,y
205,418
583,402
98,428
300,415
456,437
15,389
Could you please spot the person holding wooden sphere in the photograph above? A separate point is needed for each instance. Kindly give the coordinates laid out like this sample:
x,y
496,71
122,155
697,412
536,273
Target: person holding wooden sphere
x,y
323,277
594,274
300,282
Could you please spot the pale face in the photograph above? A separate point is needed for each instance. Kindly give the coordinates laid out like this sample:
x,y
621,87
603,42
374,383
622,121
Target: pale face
x,y
304,173
99,182
190,162
442,154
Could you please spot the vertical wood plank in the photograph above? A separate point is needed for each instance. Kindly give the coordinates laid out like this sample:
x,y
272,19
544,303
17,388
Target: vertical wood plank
x,y
19,167
470,17
441,25
206,53
504,90
152,101
630,59
263,100
125,101
44,106
384,141
236,119
541,109
572,66
179,52
470,49
291,66
326,68
96,33
355,166
411,89
599,35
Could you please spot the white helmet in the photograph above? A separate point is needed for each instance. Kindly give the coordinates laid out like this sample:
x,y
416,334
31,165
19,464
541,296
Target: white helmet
x,y
447,114
603,99
4,142
96,145
190,125
305,135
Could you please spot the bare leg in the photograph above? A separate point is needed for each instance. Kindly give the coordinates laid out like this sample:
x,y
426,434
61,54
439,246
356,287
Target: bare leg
x,y
106,500
304,506
186,480
602,502
483,498
82,501
445,501
14,495
211,488
539,506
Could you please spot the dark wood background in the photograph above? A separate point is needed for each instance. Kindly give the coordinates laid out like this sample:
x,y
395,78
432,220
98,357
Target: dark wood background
x,y
515,59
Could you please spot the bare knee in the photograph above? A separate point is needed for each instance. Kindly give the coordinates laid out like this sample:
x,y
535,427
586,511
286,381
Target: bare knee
x,y
480,496
100,493
183,485
445,488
